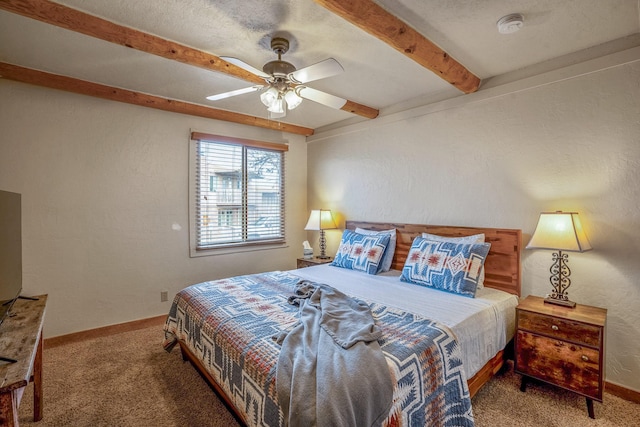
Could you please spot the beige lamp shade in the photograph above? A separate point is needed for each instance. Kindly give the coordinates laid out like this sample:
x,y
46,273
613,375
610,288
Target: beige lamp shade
x,y
559,231
320,219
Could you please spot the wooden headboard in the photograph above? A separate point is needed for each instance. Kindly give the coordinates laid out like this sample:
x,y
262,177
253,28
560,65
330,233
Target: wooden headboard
x,y
502,266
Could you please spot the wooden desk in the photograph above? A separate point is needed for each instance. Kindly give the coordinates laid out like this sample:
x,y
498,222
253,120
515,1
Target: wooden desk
x,y
21,340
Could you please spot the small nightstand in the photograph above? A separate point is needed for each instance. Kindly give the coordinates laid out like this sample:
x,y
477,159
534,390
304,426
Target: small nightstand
x,y
304,262
561,346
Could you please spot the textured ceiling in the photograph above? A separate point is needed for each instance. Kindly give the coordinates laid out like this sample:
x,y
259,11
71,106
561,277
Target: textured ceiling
x,y
375,74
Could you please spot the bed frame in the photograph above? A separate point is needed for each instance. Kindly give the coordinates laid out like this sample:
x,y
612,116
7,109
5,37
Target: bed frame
x,y
502,271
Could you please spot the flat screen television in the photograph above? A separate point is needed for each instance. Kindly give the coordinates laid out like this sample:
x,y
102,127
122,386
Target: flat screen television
x,y
10,250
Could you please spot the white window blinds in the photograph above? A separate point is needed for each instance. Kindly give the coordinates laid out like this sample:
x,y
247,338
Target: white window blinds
x,y
239,192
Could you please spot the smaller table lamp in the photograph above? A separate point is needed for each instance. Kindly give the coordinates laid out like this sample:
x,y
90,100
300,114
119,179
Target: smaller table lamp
x,y
560,231
321,220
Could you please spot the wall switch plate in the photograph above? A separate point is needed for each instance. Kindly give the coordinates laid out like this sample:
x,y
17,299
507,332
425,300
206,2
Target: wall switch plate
x,y
164,296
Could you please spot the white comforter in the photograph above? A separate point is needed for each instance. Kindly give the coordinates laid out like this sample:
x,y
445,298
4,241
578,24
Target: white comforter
x,y
483,325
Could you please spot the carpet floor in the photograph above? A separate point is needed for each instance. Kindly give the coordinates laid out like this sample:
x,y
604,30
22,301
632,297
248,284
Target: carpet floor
x,y
127,379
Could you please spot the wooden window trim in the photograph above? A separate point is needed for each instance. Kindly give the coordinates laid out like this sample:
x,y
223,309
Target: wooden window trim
x,y
200,136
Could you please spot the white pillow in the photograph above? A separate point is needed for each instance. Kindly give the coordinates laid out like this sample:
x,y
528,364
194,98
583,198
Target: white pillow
x,y
387,257
475,238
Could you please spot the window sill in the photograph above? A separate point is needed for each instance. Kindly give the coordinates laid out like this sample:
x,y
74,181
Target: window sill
x,y
234,249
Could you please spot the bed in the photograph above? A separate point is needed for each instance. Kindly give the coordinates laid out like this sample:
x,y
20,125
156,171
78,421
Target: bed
x,y
229,340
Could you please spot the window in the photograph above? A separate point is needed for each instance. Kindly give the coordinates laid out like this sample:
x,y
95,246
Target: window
x,y
237,192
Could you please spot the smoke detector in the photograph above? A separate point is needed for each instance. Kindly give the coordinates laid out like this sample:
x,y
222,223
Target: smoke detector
x,y
510,23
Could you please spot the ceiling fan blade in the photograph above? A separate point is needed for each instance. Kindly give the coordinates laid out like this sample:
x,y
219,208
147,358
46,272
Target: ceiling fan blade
x,y
231,93
240,63
321,97
320,70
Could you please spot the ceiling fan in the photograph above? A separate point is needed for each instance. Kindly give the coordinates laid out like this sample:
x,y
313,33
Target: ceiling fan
x,y
285,86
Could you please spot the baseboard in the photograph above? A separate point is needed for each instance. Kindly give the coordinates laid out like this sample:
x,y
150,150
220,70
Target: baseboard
x,y
622,392
104,331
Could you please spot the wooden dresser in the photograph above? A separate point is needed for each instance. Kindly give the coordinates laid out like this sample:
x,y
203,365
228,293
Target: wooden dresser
x,y
562,346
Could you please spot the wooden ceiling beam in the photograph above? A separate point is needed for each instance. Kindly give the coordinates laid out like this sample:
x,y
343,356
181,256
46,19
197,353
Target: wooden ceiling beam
x,y
360,110
90,25
70,84
372,18
81,22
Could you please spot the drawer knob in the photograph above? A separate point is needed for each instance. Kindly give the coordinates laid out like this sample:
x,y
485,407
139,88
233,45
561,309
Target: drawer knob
x,y
585,358
554,327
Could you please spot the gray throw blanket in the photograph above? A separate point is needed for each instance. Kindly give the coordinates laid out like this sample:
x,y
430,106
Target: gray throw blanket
x,y
331,370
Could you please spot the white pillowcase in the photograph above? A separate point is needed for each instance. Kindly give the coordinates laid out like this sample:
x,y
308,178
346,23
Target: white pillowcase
x,y
475,238
387,257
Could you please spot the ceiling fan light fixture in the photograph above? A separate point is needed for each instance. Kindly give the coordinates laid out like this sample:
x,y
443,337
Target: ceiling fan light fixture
x,y
277,106
269,96
292,98
283,88
273,116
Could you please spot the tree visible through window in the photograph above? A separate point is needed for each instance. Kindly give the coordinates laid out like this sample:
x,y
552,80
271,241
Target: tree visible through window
x,y
239,189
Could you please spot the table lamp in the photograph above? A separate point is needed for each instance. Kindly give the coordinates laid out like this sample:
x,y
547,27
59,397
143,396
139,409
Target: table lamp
x,y
321,220
559,231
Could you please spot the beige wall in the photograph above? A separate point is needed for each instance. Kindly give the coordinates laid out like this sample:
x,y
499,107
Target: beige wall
x,y
105,207
496,159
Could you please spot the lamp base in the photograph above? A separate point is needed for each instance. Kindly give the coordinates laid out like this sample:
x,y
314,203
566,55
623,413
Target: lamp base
x,y
323,257
561,302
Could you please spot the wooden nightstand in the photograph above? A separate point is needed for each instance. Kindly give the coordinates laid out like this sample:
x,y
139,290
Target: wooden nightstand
x,y
303,262
561,346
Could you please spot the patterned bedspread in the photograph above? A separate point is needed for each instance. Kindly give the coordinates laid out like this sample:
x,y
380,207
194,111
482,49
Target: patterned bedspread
x,y
229,325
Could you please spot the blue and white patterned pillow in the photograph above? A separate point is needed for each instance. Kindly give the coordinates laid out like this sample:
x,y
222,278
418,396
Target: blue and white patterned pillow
x,y
475,238
387,257
448,266
361,252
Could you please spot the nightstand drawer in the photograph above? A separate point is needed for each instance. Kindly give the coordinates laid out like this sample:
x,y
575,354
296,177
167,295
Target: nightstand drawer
x,y
567,365
559,328
310,262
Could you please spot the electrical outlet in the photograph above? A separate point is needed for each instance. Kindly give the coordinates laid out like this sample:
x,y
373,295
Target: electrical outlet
x,y
164,296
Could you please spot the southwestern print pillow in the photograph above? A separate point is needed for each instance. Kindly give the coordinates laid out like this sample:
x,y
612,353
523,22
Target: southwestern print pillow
x,y
475,238
387,258
447,266
361,252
